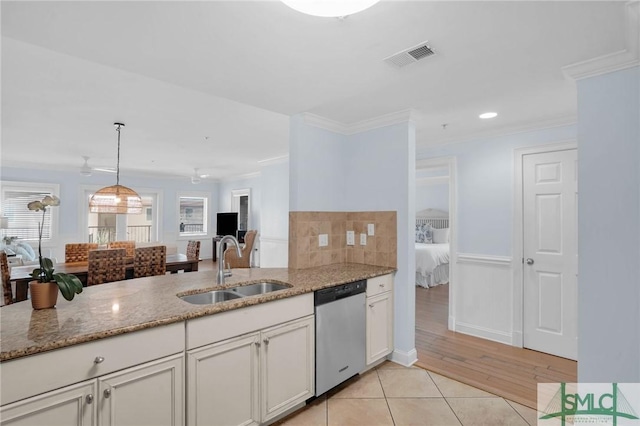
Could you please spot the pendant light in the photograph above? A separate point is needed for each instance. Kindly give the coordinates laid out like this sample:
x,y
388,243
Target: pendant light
x,y
116,198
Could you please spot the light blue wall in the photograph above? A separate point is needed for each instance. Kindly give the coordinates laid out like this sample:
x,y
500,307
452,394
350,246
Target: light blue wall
x,y
275,201
316,164
485,180
609,227
254,184
373,170
71,183
429,196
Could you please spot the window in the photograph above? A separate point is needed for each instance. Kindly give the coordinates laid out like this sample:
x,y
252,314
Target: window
x,y
240,204
193,214
22,222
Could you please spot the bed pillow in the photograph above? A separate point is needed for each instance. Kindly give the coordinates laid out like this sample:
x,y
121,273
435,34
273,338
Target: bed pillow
x,y
424,234
25,250
440,236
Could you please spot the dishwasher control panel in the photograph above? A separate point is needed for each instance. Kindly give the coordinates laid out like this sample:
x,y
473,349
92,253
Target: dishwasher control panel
x,y
338,292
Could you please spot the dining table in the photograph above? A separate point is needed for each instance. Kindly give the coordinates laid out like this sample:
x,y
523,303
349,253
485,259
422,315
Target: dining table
x,y
21,275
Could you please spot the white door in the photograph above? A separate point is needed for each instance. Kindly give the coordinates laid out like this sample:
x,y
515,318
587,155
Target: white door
x,y
550,192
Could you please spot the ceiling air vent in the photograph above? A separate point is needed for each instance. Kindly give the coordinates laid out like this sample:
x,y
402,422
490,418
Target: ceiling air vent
x,y
411,55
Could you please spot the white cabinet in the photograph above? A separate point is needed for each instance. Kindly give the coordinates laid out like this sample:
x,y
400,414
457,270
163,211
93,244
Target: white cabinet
x,y
253,378
379,317
149,394
70,406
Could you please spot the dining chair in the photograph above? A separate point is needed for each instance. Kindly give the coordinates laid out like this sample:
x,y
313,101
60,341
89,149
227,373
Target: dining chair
x,y
78,252
129,246
193,249
105,266
6,278
149,261
231,258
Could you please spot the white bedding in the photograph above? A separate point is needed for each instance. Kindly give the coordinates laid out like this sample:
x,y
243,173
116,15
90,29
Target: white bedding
x,y
432,258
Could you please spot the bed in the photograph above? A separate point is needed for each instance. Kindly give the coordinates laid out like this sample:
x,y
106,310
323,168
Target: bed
x,y
432,247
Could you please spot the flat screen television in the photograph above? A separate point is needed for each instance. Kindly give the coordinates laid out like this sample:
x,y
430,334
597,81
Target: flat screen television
x,y
227,223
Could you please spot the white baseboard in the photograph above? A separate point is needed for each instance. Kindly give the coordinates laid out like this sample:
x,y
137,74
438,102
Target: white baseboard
x,y
517,339
485,333
406,359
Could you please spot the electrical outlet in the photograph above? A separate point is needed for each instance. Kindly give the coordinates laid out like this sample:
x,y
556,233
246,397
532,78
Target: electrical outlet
x,y
371,229
363,239
323,240
351,238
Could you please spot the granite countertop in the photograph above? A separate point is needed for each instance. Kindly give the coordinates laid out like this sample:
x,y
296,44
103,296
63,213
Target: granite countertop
x,y
124,306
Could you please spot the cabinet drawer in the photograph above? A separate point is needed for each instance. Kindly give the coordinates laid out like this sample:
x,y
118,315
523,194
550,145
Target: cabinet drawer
x,y
218,327
379,284
43,372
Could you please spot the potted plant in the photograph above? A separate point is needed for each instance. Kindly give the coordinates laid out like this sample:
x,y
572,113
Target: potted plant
x,y
44,290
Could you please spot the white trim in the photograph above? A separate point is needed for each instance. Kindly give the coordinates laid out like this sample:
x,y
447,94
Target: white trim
x,y
403,116
206,216
622,59
484,259
517,239
485,333
235,204
276,240
274,160
403,358
433,180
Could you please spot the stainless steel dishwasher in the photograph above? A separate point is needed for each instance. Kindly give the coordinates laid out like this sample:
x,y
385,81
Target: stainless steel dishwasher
x,y
340,334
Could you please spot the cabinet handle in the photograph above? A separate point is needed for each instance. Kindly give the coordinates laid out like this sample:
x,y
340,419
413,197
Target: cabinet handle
x,y
381,285
257,343
266,340
107,393
89,398
371,306
98,360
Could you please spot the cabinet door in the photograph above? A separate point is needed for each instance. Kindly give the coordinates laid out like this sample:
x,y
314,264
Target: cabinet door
x,y
73,405
379,326
149,394
287,366
222,383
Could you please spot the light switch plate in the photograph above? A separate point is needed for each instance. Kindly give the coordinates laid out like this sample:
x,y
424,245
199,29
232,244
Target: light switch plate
x,y
363,239
371,229
351,238
323,240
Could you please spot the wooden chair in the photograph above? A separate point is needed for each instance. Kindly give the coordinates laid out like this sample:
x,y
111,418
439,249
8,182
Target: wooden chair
x,y
6,278
129,246
78,252
230,258
193,249
149,261
106,266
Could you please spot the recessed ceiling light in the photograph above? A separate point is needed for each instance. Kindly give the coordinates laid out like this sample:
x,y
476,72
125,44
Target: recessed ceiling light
x,y
487,115
330,8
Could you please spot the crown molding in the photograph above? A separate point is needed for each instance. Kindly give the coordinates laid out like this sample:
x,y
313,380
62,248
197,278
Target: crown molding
x,y
622,59
403,116
274,160
228,179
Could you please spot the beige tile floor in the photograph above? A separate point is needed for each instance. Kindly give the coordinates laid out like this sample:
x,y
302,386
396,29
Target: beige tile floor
x,y
394,395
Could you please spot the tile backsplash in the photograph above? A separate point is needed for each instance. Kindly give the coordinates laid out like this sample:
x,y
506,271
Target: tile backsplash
x,y
305,227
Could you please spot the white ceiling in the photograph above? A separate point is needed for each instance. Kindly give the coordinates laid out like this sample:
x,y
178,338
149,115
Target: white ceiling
x,y
233,71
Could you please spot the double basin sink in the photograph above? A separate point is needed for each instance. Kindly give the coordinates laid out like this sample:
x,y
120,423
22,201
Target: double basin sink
x,y
217,296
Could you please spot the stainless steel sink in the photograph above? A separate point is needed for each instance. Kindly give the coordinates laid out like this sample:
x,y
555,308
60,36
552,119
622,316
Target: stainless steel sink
x,y
258,288
210,297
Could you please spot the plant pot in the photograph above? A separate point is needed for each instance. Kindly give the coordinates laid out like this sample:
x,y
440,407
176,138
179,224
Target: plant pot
x,y
43,295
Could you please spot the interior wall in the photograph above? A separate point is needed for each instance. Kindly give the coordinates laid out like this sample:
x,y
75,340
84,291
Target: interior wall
x,y
609,251
368,171
71,184
274,215
252,182
483,292
432,196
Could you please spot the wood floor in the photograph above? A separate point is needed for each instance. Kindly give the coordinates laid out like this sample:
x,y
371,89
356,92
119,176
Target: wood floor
x,y
503,370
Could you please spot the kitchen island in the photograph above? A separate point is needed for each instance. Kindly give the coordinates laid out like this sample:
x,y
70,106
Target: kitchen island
x,y
145,331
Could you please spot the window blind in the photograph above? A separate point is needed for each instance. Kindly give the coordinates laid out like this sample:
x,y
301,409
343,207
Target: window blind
x,y
23,223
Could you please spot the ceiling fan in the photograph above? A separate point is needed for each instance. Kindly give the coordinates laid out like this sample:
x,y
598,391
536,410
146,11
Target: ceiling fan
x,y
87,170
197,177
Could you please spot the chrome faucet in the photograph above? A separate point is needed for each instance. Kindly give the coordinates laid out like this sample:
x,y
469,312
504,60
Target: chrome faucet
x,y
231,239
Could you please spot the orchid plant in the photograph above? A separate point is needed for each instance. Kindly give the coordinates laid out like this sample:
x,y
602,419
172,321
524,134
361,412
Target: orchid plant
x,y
69,284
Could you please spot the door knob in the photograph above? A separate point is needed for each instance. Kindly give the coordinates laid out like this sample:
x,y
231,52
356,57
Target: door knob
x,y
530,261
